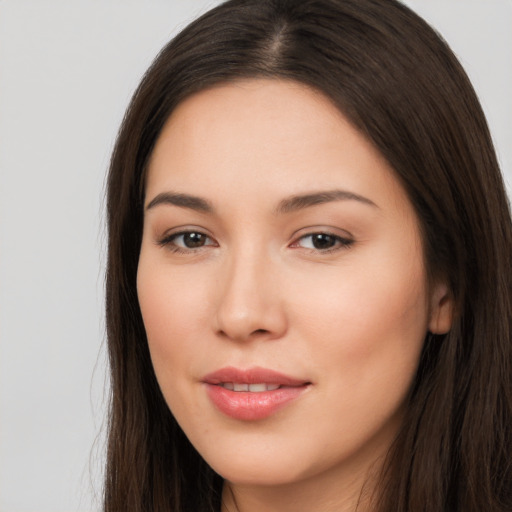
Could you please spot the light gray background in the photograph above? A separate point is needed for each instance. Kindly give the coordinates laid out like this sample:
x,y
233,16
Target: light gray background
x,y
67,70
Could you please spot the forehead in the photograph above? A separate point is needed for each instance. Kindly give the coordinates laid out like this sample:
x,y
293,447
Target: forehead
x,y
265,137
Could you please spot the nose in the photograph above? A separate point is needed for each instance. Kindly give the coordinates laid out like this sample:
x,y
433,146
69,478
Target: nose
x,y
250,302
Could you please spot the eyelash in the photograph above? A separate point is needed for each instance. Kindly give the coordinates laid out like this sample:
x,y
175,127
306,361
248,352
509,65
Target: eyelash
x,y
340,242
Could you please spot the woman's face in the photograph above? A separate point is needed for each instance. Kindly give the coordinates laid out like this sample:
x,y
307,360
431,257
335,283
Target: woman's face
x,y
282,285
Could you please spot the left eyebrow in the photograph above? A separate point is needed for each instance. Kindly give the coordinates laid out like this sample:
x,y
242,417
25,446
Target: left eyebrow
x,y
298,202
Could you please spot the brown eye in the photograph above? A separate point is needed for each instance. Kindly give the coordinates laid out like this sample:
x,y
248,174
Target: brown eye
x,y
192,240
187,241
323,242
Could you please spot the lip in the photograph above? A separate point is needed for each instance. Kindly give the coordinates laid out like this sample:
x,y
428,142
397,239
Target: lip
x,y
252,406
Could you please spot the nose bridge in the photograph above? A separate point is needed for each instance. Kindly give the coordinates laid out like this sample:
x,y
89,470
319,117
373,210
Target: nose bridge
x,y
249,303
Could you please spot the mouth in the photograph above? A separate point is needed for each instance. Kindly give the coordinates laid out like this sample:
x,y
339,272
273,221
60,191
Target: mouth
x,y
252,394
251,388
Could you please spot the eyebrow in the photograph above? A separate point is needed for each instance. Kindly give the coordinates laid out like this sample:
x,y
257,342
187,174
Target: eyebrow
x,y
181,200
288,205
300,202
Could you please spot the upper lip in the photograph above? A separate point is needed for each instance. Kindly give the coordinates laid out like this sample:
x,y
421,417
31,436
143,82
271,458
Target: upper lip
x,y
254,375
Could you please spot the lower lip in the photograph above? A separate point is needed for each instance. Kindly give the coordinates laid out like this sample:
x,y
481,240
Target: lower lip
x,y
248,406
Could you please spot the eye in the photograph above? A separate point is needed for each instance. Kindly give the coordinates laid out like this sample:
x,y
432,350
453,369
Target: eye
x,y
185,241
323,242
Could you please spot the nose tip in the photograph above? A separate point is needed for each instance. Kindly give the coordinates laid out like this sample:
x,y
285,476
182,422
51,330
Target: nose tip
x,y
244,327
250,305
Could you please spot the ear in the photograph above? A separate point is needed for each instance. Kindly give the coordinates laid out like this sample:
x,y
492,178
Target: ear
x,y
441,309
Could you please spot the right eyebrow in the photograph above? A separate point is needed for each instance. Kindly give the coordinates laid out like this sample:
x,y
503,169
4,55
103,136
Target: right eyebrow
x,y
182,200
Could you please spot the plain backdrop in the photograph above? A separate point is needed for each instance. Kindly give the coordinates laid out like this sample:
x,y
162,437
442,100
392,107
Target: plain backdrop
x,y
67,71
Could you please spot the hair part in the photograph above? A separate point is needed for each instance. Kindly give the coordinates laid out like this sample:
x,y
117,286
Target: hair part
x,y
396,80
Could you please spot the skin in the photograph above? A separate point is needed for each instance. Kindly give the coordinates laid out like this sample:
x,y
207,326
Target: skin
x,y
350,319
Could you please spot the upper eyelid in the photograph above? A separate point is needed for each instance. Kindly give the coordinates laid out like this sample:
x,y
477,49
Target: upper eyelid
x,y
180,230
313,230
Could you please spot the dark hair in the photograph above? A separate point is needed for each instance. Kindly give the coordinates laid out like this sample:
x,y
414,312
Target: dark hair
x,y
396,80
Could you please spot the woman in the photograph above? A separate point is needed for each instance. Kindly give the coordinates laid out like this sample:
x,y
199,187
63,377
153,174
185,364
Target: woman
x,y
308,285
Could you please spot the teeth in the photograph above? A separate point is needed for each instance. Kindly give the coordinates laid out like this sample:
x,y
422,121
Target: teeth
x,y
253,388
257,388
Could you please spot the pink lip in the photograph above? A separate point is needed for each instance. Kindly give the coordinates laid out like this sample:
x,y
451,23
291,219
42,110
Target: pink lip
x,y
250,406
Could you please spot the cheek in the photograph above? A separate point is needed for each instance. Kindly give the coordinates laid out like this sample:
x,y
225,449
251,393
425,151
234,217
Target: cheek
x,y
174,311
370,322
365,339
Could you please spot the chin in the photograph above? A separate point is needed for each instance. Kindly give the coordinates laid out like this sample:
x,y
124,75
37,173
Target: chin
x,y
257,469
257,476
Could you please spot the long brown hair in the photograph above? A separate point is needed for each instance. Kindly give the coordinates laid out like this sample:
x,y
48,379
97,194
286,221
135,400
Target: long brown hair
x,y
401,86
